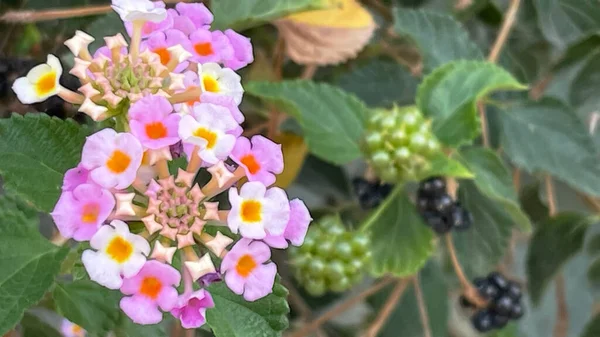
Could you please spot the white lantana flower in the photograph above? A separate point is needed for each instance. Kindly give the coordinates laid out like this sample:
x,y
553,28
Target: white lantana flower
x,y
139,10
219,80
119,253
40,83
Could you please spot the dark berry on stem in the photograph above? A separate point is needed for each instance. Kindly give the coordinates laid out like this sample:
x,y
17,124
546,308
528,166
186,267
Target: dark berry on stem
x,y
443,203
517,311
424,204
514,290
433,187
460,218
488,290
503,305
499,321
436,222
483,321
498,280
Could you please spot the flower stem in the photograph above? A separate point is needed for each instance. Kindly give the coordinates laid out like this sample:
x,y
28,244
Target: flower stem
x,y
163,168
388,308
468,290
422,307
195,161
70,96
342,307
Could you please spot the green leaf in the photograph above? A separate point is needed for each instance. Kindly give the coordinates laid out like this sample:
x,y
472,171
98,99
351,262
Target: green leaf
x,y
547,136
380,84
245,14
28,263
34,327
532,205
233,316
442,165
481,247
593,274
332,120
495,181
36,151
509,331
404,242
405,320
440,38
127,328
449,95
88,305
563,22
583,94
553,243
592,329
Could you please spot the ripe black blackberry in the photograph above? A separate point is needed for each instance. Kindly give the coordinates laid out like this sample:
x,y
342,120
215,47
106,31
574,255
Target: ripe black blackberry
x,y
504,302
370,194
438,208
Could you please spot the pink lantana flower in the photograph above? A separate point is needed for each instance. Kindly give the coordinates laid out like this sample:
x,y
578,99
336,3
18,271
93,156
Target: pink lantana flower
x,y
191,308
261,160
75,177
207,46
160,42
79,213
224,101
242,51
197,13
256,210
153,287
153,123
152,27
296,229
113,158
208,128
246,271
70,329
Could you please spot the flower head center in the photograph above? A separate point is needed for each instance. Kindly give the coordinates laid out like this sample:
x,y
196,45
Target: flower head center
x,y
251,211
119,249
118,162
151,287
156,130
204,49
90,213
251,164
164,54
46,84
209,136
210,84
246,264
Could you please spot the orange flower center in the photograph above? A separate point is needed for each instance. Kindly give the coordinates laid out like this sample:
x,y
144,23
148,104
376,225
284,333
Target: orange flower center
x,y
210,84
246,265
118,162
119,249
77,330
251,164
204,49
210,136
90,213
251,211
46,84
151,287
164,54
156,130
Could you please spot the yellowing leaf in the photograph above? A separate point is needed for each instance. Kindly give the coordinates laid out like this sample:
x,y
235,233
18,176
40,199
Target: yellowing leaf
x,y
294,153
339,14
327,36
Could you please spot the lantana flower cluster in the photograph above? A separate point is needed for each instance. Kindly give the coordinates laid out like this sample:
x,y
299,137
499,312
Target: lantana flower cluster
x,y
172,91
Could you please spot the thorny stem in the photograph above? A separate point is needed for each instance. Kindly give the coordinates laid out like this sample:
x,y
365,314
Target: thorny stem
x,y
562,314
388,307
468,290
509,20
57,14
422,307
342,307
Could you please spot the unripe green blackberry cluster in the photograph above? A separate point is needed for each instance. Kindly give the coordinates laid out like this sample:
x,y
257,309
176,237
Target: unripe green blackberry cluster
x,y
399,144
332,258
